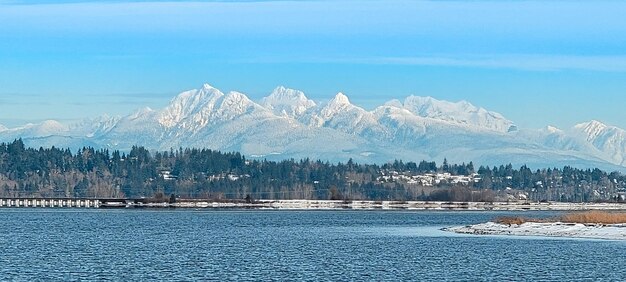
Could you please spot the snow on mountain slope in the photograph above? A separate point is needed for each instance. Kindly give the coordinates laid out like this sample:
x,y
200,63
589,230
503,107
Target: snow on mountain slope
x,y
287,102
342,115
443,139
338,106
403,125
236,104
3,128
48,127
45,128
437,136
278,138
554,138
610,140
197,118
93,126
140,127
193,110
460,112
186,108
286,124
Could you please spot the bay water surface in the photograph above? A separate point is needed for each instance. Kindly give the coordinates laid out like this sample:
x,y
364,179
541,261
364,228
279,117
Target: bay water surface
x,y
271,245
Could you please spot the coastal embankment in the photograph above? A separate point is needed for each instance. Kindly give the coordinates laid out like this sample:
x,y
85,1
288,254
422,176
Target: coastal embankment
x,y
300,204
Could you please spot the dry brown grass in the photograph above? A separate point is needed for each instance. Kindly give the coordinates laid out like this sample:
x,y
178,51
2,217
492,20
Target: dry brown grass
x,y
586,217
600,217
514,220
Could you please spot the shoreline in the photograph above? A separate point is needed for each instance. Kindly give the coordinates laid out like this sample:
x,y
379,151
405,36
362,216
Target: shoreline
x,y
306,204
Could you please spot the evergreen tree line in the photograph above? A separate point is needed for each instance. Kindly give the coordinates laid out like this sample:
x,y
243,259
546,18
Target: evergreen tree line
x,y
210,174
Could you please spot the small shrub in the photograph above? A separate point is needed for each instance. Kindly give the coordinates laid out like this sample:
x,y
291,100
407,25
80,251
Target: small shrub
x,y
509,220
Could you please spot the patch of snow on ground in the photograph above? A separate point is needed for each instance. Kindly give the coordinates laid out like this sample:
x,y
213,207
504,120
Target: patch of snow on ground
x,y
555,229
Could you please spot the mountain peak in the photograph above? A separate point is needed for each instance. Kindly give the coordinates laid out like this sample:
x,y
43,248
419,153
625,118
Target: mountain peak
x,y
208,86
606,138
591,129
141,112
3,128
51,123
592,124
461,112
207,89
197,95
394,103
340,99
552,129
427,105
189,103
287,102
287,122
236,97
234,104
282,94
48,127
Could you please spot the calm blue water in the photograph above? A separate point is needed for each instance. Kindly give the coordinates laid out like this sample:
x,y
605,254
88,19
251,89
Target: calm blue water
x,y
38,244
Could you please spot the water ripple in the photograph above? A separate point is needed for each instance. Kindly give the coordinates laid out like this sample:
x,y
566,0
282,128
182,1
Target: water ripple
x,y
44,245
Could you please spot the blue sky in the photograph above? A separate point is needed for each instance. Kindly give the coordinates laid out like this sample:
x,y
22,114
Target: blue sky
x,y
536,62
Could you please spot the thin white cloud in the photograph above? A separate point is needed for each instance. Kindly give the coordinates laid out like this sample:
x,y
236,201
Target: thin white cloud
x,y
522,62
615,63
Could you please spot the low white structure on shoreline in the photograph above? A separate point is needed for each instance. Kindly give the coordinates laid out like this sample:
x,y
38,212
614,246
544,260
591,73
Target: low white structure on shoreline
x,y
428,179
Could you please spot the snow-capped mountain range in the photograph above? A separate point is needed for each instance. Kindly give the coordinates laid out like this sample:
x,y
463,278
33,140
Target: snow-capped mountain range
x,y
286,124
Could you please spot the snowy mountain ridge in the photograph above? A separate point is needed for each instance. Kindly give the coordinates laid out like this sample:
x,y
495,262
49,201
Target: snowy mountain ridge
x,y
287,102
460,112
287,124
608,139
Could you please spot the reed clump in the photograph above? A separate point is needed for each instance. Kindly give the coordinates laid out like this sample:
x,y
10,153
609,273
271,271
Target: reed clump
x,y
510,220
586,217
598,217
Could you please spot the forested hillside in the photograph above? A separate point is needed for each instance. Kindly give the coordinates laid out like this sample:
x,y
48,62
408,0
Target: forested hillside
x,y
203,173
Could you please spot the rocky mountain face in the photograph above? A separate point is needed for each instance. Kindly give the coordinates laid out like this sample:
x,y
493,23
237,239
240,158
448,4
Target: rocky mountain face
x,y
286,124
